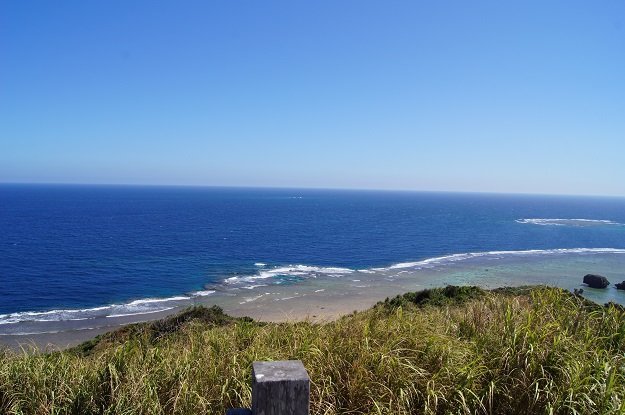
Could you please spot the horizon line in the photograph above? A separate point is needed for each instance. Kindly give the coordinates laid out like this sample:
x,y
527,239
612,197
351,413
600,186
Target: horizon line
x,y
485,192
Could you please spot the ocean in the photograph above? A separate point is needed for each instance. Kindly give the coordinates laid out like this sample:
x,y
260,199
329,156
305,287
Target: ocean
x,y
75,257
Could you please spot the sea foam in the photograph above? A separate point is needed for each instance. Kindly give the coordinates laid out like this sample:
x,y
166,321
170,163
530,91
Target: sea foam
x,y
308,271
135,307
447,259
292,274
570,222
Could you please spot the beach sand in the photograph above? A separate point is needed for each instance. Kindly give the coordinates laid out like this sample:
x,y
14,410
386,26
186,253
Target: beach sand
x,y
327,298
313,308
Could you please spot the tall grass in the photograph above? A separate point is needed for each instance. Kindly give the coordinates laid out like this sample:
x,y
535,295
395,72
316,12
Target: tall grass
x,y
463,352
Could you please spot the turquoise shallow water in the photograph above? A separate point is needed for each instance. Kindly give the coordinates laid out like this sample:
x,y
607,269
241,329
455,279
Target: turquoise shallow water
x,y
79,257
328,296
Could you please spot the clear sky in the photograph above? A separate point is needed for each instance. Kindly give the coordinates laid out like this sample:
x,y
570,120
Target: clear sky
x,y
497,96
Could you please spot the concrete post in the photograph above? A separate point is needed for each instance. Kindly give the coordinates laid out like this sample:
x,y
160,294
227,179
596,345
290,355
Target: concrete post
x,y
280,388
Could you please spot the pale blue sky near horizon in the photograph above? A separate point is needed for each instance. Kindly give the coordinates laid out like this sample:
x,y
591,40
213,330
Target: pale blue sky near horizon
x,y
487,96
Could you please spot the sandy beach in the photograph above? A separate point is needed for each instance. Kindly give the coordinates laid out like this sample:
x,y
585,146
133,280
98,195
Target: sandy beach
x,y
326,298
313,308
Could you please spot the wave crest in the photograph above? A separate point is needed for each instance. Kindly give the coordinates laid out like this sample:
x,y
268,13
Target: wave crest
x,y
279,275
448,259
289,271
131,308
569,222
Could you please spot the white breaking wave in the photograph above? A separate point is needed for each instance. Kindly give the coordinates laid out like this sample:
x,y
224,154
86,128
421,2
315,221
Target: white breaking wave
x,y
272,276
431,262
250,299
264,277
44,332
251,287
136,307
570,222
304,271
156,300
203,293
139,313
51,315
132,308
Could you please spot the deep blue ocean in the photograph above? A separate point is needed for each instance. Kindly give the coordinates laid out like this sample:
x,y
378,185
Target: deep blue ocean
x,y
73,251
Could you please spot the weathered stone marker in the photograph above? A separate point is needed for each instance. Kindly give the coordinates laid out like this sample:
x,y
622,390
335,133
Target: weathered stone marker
x,y
280,388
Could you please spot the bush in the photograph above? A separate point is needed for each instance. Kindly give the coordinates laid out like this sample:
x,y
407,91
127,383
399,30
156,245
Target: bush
x,y
450,295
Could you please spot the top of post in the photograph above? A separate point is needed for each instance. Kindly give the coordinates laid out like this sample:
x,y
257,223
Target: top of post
x,y
282,370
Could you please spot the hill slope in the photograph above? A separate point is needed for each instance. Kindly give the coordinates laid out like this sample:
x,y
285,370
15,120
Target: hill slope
x,y
449,350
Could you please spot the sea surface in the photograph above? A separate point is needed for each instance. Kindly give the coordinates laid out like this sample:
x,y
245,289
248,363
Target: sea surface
x,y
78,257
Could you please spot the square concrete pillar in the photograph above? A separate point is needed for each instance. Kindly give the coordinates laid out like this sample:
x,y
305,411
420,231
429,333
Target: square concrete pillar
x,y
280,388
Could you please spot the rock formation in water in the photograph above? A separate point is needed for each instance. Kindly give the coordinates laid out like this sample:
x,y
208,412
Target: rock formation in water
x,y
596,281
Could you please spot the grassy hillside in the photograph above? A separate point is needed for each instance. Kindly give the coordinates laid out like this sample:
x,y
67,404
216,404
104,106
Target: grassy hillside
x,y
449,350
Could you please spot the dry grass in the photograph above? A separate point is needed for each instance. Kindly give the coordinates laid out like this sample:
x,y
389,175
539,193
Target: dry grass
x,y
544,352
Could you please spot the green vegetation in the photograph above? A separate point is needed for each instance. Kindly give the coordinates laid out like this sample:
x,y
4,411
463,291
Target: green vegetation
x,y
457,350
450,295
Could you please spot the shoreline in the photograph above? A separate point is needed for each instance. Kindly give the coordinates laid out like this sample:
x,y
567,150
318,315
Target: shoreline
x,y
289,311
328,297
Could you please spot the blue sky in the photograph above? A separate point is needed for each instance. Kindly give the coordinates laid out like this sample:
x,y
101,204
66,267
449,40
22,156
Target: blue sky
x,y
494,96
